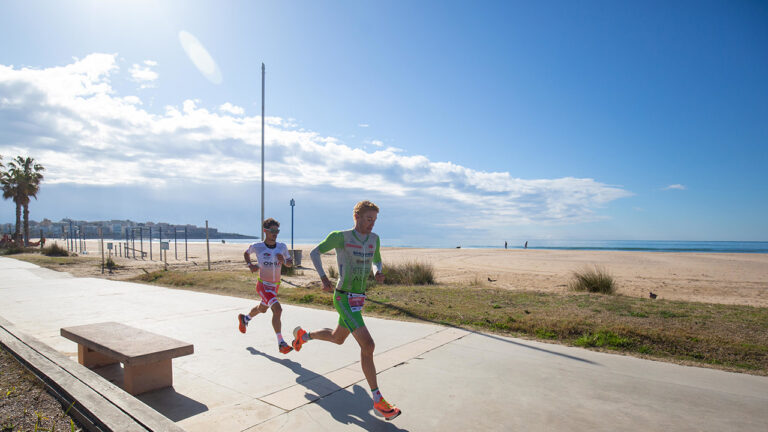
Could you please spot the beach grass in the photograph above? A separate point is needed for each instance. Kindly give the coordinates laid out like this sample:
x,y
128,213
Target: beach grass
x,y
54,250
409,273
594,280
54,262
732,337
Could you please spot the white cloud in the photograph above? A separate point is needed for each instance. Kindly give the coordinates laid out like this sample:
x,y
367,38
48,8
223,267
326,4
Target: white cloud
x,y
363,125
377,143
675,187
231,109
200,57
143,74
70,119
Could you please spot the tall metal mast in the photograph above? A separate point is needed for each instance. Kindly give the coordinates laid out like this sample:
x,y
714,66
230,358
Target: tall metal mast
x,y
262,152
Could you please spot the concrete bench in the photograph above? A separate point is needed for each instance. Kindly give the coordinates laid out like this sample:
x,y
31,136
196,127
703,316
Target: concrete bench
x,y
146,356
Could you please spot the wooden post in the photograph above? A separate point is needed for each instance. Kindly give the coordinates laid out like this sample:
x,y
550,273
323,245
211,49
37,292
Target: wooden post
x,y
207,246
101,234
150,243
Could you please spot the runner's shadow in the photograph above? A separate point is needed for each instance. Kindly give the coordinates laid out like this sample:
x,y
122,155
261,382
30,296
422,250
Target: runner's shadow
x,y
345,407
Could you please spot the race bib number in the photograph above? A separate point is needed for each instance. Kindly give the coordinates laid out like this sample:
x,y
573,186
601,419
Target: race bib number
x,y
356,301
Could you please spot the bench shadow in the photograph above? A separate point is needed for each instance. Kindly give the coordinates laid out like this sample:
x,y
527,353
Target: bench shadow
x,y
346,408
173,405
490,336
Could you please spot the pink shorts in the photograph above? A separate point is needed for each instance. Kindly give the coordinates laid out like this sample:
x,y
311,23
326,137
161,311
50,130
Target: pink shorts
x,y
268,293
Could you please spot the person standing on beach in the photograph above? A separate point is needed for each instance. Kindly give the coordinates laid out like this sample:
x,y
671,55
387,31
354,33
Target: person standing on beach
x,y
270,257
357,250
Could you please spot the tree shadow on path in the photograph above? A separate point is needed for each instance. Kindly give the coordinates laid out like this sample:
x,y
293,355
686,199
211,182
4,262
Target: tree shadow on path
x,y
346,408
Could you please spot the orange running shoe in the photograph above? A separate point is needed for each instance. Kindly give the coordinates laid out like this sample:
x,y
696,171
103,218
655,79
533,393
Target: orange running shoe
x,y
298,338
284,347
382,408
241,324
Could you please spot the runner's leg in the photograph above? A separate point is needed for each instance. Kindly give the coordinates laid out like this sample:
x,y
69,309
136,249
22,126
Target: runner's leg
x,y
261,308
277,313
364,339
337,336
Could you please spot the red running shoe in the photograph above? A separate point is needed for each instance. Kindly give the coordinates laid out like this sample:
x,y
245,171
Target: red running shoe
x,y
298,338
382,408
284,347
241,324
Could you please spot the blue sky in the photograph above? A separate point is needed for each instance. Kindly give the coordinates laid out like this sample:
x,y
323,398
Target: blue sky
x,y
468,122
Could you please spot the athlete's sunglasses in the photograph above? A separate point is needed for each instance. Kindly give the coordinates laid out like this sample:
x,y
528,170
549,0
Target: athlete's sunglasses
x,y
272,230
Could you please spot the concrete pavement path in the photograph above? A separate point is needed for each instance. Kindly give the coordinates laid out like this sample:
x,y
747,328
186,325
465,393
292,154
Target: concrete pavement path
x,y
442,378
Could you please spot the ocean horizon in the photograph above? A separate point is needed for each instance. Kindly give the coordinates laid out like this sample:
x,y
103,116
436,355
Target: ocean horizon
x,y
606,245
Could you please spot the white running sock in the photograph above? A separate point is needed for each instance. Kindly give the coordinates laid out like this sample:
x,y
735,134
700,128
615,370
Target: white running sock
x,y
279,337
376,395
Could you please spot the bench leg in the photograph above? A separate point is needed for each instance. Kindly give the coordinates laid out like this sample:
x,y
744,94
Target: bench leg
x,y
143,378
92,359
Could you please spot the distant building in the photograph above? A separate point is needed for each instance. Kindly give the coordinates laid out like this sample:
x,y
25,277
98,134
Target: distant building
x,y
117,229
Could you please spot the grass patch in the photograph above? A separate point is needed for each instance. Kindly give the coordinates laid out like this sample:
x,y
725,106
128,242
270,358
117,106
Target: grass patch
x,y
54,262
15,250
306,299
409,273
110,264
219,282
332,273
602,339
54,250
288,271
595,280
545,334
671,314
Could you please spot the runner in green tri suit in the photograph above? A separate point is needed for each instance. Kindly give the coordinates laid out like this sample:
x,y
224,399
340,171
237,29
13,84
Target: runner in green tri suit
x,y
357,250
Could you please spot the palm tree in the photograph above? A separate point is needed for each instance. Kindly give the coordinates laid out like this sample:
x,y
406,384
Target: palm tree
x,y
10,187
2,183
20,183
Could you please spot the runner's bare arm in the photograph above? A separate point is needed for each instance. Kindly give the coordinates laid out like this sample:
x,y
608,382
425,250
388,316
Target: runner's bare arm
x,y
379,276
251,265
318,263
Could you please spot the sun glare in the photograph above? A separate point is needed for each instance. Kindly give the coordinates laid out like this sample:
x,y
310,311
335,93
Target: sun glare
x,y
200,57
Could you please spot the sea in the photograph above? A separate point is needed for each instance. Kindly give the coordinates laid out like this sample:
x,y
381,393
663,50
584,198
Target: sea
x,y
606,245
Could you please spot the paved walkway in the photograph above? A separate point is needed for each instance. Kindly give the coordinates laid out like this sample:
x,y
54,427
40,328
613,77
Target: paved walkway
x,y
442,378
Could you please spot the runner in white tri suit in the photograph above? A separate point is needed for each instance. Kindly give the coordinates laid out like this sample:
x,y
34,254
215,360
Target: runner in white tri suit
x,y
270,257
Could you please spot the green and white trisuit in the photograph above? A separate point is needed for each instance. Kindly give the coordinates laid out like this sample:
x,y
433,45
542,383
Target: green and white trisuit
x,y
355,256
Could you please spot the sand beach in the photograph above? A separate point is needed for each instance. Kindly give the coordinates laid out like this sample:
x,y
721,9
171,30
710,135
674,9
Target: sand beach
x,y
727,278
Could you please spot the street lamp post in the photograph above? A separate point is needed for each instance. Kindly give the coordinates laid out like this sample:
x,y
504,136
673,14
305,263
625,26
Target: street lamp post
x,y
293,204
262,149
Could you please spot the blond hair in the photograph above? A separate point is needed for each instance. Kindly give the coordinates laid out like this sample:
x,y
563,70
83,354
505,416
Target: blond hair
x,y
364,206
